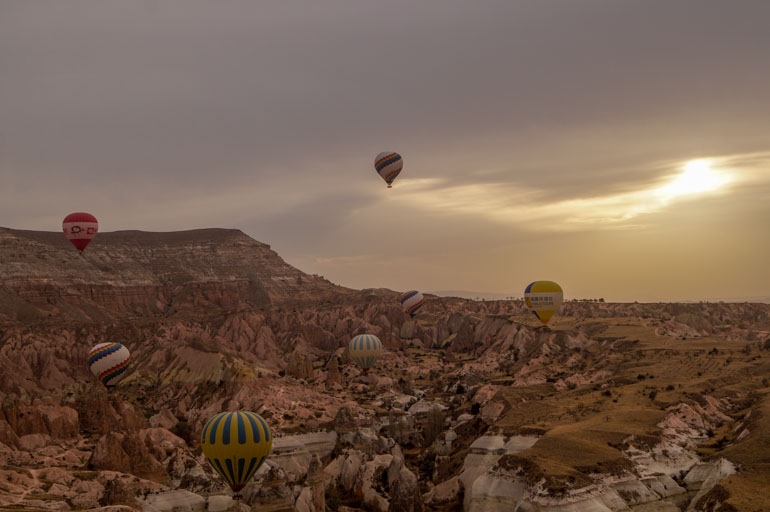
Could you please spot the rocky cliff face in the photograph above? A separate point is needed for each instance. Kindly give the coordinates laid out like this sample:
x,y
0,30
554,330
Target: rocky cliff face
x,y
135,273
473,407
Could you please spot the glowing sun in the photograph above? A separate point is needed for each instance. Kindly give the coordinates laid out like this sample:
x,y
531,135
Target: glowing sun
x,y
697,177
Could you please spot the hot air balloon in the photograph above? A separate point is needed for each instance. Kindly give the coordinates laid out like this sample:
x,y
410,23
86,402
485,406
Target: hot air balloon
x,y
80,228
364,350
388,164
236,444
109,362
543,298
411,302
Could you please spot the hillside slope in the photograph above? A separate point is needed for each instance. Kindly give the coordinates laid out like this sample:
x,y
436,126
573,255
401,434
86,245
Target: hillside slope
x,y
142,273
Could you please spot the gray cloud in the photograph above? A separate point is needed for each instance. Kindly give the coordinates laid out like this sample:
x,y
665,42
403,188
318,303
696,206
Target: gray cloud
x,y
266,115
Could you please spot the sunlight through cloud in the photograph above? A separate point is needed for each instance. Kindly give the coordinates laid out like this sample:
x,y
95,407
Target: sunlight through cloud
x,y
511,204
697,178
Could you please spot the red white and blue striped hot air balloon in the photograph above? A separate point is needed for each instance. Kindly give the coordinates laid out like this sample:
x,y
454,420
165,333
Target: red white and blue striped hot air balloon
x,y
109,362
411,302
388,165
80,228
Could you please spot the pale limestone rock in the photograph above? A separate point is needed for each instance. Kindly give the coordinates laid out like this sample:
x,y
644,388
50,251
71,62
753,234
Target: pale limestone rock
x,y
634,492
161,438
62,421
491,411
176,501
333,471
164,419
109,454
351,468
366,476
664,486
222,504
294,453
404,489
518,444
485,393
446,492
489,444
304,502
703,477
449,438
474,466
426,406
490,493
404,400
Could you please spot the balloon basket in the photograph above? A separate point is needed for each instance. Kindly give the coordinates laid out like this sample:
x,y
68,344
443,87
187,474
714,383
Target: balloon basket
x,y
237,496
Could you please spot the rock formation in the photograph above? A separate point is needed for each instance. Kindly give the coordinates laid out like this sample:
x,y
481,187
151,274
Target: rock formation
x,y
473,406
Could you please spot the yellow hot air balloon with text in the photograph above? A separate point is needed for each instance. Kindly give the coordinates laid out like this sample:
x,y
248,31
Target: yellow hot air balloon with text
x,y
544,299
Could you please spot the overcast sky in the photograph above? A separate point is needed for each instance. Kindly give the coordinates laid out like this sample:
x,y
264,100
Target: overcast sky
x,y
541,139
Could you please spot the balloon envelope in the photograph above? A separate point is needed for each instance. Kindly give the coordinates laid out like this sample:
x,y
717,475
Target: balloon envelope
x,y
388,165
365,349
411,302
543,298
80,228
236,444
109,362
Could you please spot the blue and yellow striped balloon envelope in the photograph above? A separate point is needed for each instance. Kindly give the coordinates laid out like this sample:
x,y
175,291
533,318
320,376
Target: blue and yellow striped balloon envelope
x,y
236,444
364,350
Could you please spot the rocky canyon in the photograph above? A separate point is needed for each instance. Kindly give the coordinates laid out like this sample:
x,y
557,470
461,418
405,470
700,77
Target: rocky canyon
x,y
473,407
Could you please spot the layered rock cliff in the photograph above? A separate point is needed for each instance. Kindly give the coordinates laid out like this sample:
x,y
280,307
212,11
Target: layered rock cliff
x,y
136,273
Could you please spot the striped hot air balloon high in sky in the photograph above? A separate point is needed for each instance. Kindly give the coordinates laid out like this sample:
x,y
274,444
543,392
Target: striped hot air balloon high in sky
x,y
388,165
364,350
80,228
236,444
109,362
544,299
411,302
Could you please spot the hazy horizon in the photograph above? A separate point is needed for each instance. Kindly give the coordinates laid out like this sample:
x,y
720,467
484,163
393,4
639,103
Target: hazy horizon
x,y
619,149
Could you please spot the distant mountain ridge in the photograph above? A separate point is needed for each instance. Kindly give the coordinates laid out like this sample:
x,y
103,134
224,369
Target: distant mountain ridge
x,y
465,294
146,273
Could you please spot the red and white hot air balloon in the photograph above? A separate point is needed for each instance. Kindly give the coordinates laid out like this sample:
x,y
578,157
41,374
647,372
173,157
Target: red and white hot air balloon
x,y
80,228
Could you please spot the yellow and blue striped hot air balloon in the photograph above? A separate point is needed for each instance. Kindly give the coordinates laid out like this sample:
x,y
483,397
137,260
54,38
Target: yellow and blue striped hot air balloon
x,y
364,350
236,444
544,299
